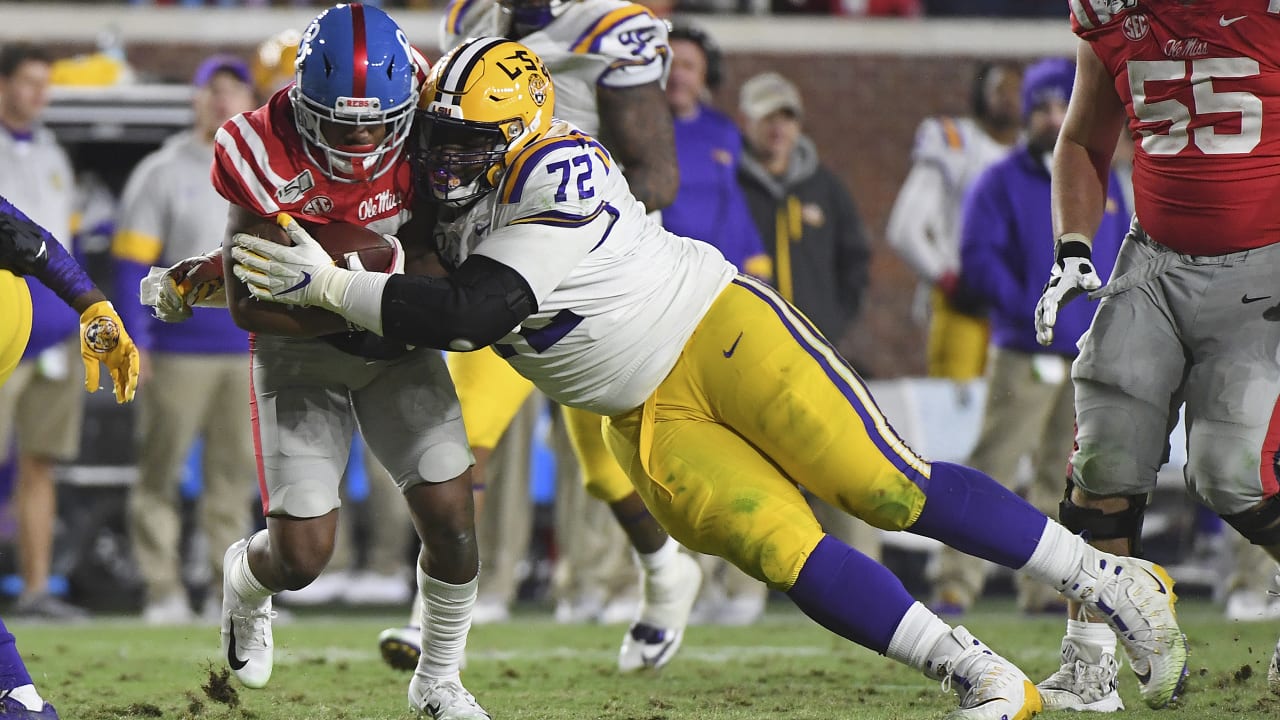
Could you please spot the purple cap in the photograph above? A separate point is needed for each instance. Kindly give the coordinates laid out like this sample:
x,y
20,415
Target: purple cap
x,y
214,64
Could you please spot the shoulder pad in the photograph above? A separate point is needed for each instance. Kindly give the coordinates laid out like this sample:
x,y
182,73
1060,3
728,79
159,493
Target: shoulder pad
x,y
1091,14
632,38
557,180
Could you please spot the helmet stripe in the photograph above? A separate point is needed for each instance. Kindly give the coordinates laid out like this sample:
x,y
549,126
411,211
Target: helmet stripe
x,y
454,77
360,50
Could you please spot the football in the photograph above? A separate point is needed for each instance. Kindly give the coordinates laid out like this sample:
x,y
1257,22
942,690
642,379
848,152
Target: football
x,y
351,246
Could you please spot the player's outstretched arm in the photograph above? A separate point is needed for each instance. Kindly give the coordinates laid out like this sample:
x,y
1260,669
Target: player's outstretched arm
x,y
636,127
28,249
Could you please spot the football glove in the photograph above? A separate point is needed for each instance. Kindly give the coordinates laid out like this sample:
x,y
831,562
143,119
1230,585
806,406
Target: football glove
x,y
103,339
298,274
1073,274
195,282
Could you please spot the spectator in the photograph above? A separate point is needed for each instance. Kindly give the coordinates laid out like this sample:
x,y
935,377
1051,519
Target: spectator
x,y
42,400
924,225
813,233
193,372
710,206
1029,407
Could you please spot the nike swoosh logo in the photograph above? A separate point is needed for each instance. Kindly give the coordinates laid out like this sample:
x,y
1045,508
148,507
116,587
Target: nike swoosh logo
x,y
652,659
1159,582
1246,299
306,280
733,348
1143,678
1225,21
433,709
235,662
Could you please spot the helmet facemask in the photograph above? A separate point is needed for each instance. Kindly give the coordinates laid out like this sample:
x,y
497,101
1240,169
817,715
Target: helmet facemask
x,y
352,163
458,161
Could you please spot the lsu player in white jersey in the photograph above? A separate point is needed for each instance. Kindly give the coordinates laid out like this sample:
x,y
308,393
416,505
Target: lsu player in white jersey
x,y
610,59
924,225
722,400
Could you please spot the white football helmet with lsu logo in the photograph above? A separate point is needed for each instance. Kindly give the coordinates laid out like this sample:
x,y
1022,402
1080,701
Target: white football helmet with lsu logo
x,y
482,103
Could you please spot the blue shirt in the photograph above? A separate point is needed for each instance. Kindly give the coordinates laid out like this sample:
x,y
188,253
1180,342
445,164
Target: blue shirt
x,y
1006,251
709,204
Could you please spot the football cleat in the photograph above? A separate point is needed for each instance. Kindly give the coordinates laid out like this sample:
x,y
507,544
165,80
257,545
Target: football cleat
x,y
247,643
989,687
655,637
401,647
1086,681
11,709
1136,599
443,699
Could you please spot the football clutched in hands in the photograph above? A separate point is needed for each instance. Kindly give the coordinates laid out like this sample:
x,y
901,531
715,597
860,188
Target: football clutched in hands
x,y
351,246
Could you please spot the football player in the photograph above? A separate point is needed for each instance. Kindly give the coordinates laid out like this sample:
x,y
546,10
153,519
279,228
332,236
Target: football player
x,y
610,59
26,249
329,148
721,398
1188,315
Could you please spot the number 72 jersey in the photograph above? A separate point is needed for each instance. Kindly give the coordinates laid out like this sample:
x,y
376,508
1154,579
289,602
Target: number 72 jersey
x,y
1201,85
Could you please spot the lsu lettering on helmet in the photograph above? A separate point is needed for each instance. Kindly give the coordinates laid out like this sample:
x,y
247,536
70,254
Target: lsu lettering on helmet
x,y
483,102
355,68
521,17
273,63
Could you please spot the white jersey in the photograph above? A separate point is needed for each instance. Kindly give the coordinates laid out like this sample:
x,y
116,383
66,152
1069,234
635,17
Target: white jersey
x,y
618,296
37,177
593,43
924,225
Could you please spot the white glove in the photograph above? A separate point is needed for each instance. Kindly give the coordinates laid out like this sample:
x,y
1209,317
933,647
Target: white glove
x,y
298,274
194,282
1073,274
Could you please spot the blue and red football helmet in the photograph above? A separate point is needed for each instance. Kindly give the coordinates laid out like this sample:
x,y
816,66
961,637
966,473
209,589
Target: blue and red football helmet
x,y
354,67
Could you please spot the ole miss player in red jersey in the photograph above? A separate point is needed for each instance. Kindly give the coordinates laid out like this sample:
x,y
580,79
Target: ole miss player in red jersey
x,y
330,149
1190,314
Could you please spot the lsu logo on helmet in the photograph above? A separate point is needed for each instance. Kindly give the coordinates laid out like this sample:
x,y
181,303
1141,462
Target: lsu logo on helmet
x,y
102,335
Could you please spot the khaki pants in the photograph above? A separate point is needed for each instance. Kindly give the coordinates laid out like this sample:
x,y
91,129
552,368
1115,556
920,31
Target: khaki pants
x,y
390,527
1029,411
188,396
505,523
43,402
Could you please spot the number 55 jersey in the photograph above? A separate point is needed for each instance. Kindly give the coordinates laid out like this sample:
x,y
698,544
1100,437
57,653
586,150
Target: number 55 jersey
x,y
1201,83
618,296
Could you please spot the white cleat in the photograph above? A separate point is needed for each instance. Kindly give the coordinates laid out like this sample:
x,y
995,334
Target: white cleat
x,y
655,637
1086,681
443,699
1273,671
989,687
1136,599
401,647
246,629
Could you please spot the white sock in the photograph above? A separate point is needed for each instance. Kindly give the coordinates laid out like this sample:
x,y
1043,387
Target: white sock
x,y
915,638
1056,559
658,559
415,612
27,695
248,589
1096,634
446,621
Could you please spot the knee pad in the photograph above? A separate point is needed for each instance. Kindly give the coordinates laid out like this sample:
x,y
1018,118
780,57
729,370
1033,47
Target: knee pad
x,y
1260,524
1095,524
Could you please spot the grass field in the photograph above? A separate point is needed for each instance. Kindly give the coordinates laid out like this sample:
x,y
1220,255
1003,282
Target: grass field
x,y
784,667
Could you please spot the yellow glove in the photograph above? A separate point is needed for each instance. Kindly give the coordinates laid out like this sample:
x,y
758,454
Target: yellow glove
x,y
103,339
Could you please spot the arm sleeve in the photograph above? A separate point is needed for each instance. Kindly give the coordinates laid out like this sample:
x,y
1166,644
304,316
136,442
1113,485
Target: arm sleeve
x,y
472,308
28,249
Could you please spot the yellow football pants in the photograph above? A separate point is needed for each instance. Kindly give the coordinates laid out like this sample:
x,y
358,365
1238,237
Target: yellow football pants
x,y
758,403
491,393
15,322
957,343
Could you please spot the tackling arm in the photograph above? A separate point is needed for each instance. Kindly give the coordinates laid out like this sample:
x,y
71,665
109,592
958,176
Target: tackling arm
x,y
636,127
1082,160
